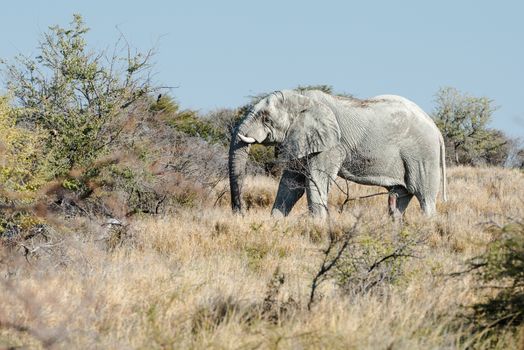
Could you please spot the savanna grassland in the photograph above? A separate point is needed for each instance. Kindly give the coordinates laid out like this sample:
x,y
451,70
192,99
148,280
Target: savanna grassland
x,y
201,277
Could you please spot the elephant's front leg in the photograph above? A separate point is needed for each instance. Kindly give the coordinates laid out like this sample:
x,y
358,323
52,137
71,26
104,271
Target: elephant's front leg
x,y
317,195
291,188
323,170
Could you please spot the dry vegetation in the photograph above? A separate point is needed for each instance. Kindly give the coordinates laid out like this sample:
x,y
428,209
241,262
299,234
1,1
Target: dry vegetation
x,y
202,277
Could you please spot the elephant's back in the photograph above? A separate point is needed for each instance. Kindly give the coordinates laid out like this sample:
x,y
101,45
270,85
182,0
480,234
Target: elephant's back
x,y
402,126
395,120
404,109
419,136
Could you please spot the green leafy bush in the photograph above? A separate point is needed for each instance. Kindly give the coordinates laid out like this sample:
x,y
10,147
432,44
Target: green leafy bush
x,y
463,121
80,99
85,127
164,104
191,124
265,158
20,173
188,122
360,261
372,260
20,151
500,273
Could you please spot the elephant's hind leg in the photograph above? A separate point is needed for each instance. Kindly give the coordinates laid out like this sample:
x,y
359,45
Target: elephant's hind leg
x,y
290,190
428,205
398,201
427,194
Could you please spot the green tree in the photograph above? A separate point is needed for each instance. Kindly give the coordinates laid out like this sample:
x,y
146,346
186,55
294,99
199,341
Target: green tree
x,y
463,121
80,98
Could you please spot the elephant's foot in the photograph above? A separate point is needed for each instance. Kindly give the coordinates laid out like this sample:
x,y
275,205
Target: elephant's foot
x,y
277,213
318,210
428,207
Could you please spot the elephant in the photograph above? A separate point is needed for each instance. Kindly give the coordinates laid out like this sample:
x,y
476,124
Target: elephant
x,y
383,141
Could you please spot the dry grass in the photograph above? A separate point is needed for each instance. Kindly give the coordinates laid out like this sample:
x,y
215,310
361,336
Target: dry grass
x,y
199,278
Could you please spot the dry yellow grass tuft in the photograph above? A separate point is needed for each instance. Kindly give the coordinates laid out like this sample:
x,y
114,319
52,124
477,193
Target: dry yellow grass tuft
x,y
205,278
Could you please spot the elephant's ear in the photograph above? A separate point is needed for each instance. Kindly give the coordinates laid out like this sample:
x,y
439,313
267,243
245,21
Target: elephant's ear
x,y
314,129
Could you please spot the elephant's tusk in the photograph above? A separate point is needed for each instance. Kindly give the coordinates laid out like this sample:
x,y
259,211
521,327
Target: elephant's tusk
x,y
247,139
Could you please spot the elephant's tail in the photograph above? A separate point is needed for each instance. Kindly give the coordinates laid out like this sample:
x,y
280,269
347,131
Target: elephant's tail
x,y
443,169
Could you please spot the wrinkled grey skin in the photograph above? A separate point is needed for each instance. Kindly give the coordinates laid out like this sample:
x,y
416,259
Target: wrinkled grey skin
x,y
384,141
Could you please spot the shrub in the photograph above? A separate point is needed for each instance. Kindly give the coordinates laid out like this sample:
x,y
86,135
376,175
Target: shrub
x,y
225,120
265,158
78,100
85,138
186,121
20,173
361,262
463,121
373,260
191,124
500,272
112,150
164,104
21,152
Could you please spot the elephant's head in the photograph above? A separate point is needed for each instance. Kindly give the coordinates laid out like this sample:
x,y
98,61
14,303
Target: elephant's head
x,y
298,124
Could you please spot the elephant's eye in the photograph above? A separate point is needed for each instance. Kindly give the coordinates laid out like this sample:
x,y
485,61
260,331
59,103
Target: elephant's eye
x,y
264,117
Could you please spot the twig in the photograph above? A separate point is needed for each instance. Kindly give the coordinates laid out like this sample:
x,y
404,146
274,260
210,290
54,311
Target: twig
x,y
219,197
327,264
349,199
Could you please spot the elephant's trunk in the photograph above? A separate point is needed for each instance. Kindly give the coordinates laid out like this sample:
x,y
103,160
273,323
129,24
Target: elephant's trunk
x,y
238,154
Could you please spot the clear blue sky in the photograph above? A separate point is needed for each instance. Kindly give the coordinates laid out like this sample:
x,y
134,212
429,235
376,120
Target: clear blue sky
x,y
220,52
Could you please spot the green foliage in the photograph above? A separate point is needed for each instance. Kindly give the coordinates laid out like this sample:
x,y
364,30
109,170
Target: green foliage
x,y
20,152
362,262
265,158
463,121
262,154
191,124
500,272
20,173
164,104
373,260
76,96
71,184
82,118
87,138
